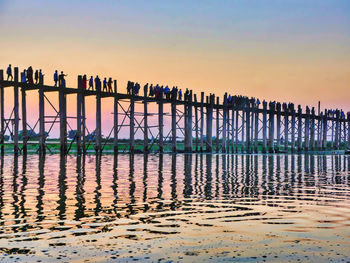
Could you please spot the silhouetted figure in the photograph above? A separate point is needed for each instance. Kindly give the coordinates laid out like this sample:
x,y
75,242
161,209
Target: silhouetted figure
x,y
9,72
109,85
36,76
55,77
91,83
97,82
180,94
30,75
61,79
24,76
128,88
151,91
84,82
41,76
105,84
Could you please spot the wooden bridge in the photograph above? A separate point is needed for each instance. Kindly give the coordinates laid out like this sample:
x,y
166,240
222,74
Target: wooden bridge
x,y
240,124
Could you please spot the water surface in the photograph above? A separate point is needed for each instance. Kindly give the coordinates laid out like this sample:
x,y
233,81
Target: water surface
x,y
189,208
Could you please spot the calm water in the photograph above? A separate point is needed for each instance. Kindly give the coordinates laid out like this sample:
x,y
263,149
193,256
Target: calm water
x,y
191,208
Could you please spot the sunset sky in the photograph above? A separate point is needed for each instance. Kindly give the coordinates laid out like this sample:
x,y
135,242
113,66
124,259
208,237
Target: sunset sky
x,y
276,50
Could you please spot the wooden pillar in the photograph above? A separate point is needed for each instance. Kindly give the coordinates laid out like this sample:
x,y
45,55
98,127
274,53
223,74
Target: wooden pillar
x,y
24,121
242,127
2,119
300,129
145,120
337,132
325,130
233,127
224,124
63,120
196,127
83,119
348,128
271,127
264,127
312,130
188,129
217,124
248,142
98,147
286,126
115,118
16,111
236,131
161,124
173,124
292,143
307,129
278,119
256,128
201,143
209,132
79,98
42,147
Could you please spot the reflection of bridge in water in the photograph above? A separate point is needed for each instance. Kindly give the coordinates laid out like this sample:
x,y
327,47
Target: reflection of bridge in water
x,y
63,188
239,126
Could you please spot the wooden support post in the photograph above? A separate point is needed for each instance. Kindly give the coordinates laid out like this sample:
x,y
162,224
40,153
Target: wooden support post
x,y
98,147
209,132
2,119
242,127
224,124
248,141
300,129
24,120
264,128
271,126
161,124
256,128
188,130
201,123
42,146
337,130
79,98
196,127
232,130
173,124
217,139
286,126
325,130
63,120
312,130
307,129
278,119
16,111
348,122
83,119
145,120
292,143
236,131
115,118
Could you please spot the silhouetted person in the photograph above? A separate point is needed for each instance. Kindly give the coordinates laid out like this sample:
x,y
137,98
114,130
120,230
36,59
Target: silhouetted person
x,y
41,75
24,76
30,75
180,94
36,76
91,83
55,77
62,81
9,72
128,88
97,81
84,82
109,85
105,84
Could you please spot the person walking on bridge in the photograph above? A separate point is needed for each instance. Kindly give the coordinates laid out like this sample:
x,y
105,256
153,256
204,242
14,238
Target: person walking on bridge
x,y
84,82
91,83
55,78
97,82
24,76
36,76
41,76
9,72
105,84
109,85
30,75
62,81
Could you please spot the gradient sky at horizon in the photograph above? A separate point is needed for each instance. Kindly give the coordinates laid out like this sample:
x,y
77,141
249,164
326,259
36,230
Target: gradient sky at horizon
x,y
276,50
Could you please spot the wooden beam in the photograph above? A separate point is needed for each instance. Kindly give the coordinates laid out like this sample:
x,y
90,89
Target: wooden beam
x,y
145,120
24,120
224,125
16,111
98,146
286,126
209,132
42,146
79,98
271,127
63,121
307,129
278,120
201,133
300,129
264,128
256,128
188,131
161,124
2,119
312,130
196,120
292,143
173,125
217,139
